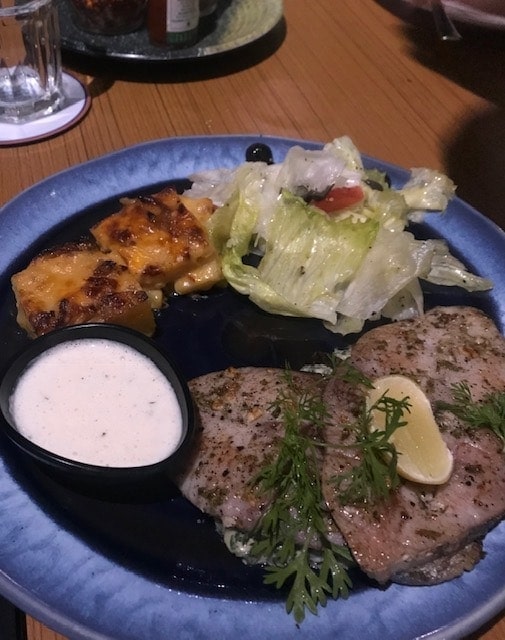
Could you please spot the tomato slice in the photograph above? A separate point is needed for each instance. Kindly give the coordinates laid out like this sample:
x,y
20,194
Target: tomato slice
x,y
340,198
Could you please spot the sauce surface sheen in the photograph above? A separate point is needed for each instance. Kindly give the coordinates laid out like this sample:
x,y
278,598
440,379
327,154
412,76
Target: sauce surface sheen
x,y
100,402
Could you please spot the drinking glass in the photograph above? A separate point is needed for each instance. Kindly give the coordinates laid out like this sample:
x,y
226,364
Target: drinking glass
x,y
30,60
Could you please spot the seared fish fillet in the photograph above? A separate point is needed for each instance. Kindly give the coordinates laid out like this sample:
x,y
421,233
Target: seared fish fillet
x,y
425,534
76,283
239,434
163,240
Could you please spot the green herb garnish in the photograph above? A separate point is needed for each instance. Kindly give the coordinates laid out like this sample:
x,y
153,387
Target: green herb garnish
x,y
296,516
375,476
489,412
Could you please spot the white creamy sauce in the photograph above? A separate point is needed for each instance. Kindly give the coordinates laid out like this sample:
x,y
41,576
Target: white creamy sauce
x,y
100,402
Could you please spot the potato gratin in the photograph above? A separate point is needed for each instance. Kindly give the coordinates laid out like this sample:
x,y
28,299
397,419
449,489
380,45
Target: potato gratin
x,y
154,245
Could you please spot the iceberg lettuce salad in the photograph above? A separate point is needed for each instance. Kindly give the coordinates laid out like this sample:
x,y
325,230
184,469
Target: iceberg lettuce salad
x,y
331,237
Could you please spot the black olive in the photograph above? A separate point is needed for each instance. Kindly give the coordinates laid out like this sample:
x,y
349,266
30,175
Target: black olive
x,y
259,152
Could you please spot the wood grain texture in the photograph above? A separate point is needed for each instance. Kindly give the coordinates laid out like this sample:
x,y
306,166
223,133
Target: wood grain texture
x,y
371,69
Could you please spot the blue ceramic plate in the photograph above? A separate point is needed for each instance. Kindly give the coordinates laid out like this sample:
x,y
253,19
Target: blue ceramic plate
x,y
155,568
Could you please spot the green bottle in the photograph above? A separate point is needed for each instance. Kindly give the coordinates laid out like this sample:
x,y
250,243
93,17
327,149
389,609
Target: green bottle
x,y
173,23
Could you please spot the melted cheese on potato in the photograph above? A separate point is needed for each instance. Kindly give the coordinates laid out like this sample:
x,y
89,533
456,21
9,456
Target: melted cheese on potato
x,y
161,237
152,244
77,283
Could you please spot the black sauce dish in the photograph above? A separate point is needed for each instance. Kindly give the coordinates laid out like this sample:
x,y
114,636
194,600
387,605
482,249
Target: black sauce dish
x,y
149,481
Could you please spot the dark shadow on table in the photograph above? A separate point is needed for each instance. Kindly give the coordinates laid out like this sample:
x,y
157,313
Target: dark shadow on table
x,y
475,159
475,155
12,621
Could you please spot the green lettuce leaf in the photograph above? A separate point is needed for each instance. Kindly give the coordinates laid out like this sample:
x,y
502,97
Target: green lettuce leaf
x,y
308,258
361,265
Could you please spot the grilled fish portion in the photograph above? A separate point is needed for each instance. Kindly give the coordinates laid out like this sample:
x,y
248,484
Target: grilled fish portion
x,y
162,238
420,534
76,283
442,348
239,435
424,534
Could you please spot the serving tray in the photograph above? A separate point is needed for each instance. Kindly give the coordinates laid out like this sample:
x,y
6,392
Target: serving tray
x,y
234,24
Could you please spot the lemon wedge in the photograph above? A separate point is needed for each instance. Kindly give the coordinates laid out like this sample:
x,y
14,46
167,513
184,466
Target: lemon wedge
x,y
423,455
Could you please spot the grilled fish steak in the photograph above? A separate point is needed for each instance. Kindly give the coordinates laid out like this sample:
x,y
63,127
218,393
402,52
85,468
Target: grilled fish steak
x,y
239,434
423,534
420,534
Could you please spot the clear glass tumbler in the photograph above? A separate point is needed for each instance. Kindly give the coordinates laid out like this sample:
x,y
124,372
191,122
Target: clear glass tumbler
x,y
30,60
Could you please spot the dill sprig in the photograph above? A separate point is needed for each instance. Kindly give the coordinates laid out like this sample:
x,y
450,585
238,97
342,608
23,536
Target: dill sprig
x,y
296,514
310,586
489,412
376,475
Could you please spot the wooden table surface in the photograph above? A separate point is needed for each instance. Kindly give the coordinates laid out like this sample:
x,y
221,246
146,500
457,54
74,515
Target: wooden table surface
x,y
372,70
